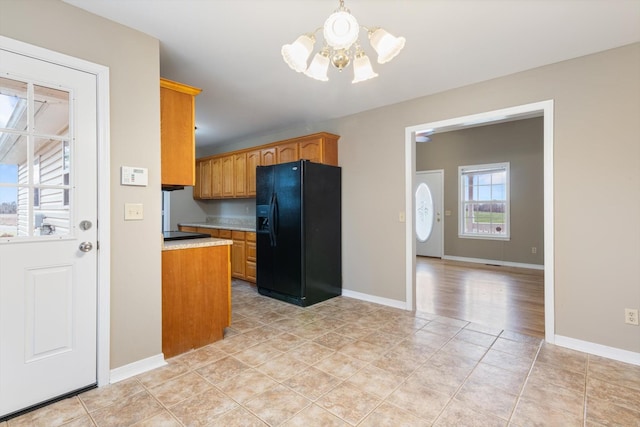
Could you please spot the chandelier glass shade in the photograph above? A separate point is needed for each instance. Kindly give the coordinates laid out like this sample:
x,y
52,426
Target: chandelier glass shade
x,y
341,47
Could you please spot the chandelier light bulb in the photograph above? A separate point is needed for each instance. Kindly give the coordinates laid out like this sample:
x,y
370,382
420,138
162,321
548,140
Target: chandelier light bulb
x,y
319,66
362,69
386,45
341,31
297,53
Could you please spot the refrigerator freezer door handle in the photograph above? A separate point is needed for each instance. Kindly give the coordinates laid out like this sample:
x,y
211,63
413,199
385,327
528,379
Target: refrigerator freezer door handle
x,y
276,219
271,219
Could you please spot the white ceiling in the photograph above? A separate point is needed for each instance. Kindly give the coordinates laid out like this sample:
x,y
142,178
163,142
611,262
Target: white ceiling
x,y
231,49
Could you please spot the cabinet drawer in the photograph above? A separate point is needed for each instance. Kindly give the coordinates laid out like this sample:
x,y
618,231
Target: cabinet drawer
x,y
214,232
237,235
251,236
224,234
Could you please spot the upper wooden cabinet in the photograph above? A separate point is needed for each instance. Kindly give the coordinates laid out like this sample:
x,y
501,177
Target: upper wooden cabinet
x,y
267,156
227,176
216,177
319,150
240,174
233,175
204,176
253,160
177,133
287,152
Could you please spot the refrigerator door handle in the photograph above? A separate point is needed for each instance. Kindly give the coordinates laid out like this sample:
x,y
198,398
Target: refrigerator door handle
x,y
276,219
271,219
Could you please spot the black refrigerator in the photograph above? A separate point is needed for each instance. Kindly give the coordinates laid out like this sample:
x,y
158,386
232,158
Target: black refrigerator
x,y
298,232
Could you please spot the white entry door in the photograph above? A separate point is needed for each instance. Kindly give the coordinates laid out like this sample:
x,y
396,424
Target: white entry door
x,y
429,223
48,214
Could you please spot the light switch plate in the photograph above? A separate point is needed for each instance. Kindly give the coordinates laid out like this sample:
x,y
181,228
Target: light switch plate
x,y
133,211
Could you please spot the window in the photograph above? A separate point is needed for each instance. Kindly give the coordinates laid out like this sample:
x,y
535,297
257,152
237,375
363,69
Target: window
x,y
484,201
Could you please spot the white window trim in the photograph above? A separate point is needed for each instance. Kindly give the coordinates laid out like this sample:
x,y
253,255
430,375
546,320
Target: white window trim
x,y
461,233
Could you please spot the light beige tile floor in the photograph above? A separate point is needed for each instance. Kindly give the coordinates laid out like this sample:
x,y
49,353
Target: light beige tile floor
x,y
348,362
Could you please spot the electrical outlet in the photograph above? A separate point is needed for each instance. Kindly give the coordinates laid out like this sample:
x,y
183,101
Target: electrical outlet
x,y
631,316
534,250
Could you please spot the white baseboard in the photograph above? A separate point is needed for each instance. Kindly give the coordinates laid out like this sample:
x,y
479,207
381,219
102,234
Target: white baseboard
x,y
372,298
136,368
599,350
494,262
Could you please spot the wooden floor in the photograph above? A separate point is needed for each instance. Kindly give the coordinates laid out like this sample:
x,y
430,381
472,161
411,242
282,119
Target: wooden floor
x,y
502,297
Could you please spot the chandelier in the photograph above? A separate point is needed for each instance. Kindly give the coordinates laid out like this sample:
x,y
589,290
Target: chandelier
x,y
341,47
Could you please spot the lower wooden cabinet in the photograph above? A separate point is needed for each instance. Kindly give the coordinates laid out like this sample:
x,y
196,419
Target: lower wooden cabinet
x,y
238,255
196,297
250,269
243,250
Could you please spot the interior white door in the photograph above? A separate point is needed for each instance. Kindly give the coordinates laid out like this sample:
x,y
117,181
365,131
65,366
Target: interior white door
x,y
429,223
48,214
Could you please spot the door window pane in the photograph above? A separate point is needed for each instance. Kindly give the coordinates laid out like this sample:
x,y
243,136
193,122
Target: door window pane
x,y
13,104
424,212
8,200
51,115
35,160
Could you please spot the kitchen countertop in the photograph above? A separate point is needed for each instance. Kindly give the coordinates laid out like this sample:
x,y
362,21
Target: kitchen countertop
x,y
236,227
195,243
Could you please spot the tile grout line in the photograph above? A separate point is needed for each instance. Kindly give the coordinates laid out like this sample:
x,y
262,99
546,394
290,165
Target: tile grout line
x,y
524,384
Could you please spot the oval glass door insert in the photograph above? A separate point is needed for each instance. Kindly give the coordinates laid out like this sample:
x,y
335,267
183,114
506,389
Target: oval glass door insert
x,y
424,212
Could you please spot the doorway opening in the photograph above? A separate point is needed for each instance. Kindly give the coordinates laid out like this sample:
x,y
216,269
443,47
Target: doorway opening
x,y
424,131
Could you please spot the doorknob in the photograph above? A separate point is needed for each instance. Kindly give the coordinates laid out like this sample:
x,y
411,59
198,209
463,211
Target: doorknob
x,y
85,246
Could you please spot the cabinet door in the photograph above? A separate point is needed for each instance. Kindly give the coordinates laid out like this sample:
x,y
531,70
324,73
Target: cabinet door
x,y
205,179
268,156
177,137
227,176
197,188
216,178
311,150
238,257
323,149
251,253
240,175
253,160
287,152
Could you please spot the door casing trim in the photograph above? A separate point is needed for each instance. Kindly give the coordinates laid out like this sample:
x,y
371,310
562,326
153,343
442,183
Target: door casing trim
x,y
103,175
545,108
